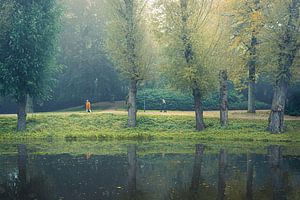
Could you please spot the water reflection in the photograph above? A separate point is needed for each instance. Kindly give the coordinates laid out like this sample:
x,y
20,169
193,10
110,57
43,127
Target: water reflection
x,y
250,166
221,177
136,175
278,184
197,167
19,185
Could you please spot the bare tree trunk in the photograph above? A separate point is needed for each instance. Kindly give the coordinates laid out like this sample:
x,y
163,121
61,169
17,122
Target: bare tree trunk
x,y
251,92
22,113
276,118
223,98
222,169
132,107
249,189
197,167
275,161
252,75
198,110
132,170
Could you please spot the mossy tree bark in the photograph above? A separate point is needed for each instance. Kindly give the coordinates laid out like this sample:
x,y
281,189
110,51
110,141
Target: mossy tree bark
x,y
276,118
198,110
22,101
132,107
223,98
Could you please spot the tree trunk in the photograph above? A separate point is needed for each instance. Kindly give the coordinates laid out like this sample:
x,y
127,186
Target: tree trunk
x,y
132,170
279,192
132,107
252,74
198,110
223,98
276,118
197,167
249,189
22,113
251,92
221,175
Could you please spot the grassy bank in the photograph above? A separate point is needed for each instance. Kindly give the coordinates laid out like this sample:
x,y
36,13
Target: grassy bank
x,y
101,126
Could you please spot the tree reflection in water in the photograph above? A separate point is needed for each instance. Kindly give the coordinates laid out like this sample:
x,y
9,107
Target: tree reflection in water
x,y
279,191
24,187
198,189
250,166
133,193
221,175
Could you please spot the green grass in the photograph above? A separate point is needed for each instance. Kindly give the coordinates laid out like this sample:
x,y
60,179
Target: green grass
x,y
96,126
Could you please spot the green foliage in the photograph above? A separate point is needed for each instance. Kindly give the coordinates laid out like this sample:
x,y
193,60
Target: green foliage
x,y
28,47
180,101
187,48
279,48
293,104
127,39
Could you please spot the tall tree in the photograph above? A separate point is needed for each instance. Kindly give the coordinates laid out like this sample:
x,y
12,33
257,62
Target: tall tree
x,y
128,45
185,36
27,51
281,51
247,22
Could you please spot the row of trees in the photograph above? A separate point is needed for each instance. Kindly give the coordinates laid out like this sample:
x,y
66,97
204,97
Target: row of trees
x,y
197,40
195,45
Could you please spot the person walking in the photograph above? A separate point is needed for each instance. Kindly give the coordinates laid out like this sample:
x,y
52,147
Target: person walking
x,y
88,106
163,105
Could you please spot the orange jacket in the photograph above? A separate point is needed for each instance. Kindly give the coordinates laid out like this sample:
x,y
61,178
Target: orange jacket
x,y
88,105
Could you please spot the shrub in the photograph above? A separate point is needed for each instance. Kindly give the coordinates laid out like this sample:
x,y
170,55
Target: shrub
x,y
179,101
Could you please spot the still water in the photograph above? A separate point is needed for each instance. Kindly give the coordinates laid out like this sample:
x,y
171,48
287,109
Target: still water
x,y
135,173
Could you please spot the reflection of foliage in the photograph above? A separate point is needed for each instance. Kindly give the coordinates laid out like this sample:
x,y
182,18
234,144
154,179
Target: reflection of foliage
x,y
185,193
36,188
138,195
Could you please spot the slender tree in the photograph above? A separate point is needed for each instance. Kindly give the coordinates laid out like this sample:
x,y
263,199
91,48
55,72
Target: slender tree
x,y
128,45
185,35
246,25
27,51
223,97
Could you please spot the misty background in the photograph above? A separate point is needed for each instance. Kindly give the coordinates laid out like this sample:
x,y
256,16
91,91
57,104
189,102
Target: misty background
x,y
87,73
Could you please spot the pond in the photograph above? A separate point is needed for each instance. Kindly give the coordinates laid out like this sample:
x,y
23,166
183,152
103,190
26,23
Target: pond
x,y
142,170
